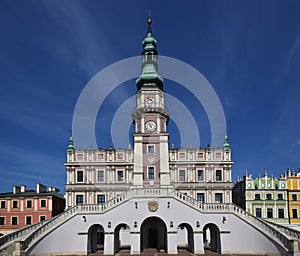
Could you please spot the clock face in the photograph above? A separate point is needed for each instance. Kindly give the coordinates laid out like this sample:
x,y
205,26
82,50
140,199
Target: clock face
x,y
150,126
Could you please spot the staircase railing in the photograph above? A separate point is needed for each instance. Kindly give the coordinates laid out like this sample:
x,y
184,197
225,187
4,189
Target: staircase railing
x,y
31,234
282,235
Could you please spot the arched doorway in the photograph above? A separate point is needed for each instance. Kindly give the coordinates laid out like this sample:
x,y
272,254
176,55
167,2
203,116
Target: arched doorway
x,y
95,238
185,237
154,234
211,238
122,238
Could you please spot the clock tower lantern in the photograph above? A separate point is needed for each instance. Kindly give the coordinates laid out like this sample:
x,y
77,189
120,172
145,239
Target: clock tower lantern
x,y
151,165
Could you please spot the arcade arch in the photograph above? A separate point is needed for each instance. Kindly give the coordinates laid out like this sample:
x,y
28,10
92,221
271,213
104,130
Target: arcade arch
x,y
122,237
95,238
211,237
185,237
154,234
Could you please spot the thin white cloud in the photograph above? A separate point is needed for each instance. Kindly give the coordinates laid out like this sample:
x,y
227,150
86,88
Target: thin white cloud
x,y
83,38
29,157
292,51
29,167
26,115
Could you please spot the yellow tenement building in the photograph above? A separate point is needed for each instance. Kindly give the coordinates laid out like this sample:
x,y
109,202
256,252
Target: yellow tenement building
x,y
293,186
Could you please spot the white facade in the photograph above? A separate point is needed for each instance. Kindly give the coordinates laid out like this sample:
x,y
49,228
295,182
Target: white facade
x,y
177,224
203,174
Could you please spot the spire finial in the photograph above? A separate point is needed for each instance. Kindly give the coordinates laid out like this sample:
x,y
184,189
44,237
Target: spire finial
x,y
71,144
226,142
149,21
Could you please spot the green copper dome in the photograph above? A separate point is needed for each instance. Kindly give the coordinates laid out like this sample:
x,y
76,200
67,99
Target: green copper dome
x,y
71,145
149,76
226,142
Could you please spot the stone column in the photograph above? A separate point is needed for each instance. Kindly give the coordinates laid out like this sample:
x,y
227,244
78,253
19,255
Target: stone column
x,y
198,242
109,243
135,243
172,242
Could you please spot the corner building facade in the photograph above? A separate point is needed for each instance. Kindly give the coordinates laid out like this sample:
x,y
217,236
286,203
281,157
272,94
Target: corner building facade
x,y
95,176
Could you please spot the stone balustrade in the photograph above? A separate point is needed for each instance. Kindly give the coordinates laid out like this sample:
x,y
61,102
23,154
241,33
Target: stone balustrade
x,y
30,235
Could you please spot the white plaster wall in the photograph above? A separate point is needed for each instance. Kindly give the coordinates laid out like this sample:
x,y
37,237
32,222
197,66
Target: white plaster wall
x,y
72,236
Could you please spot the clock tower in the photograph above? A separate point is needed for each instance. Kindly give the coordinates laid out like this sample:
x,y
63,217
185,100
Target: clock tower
x,y
151,165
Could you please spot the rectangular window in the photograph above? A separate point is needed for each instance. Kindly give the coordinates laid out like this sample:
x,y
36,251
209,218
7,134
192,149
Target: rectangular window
x,y
101,176
120,176
150,149
295,213
218,155
200,197
79,176
181,175
181,155
269,213
151,175
200,155
29,204
257,196
79,199
258,212
43,203
294,197
218,175
14,221
42,218
3,205
280,196
219,198
15,204
2,221
28,220
200,175
80,157
100,199
281,213
269,197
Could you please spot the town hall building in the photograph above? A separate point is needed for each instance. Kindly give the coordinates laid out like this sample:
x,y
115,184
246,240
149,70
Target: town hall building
x,y
151,197
96,175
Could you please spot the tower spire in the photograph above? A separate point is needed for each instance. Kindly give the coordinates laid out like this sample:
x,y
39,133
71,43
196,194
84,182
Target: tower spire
x,y
149,21
149,76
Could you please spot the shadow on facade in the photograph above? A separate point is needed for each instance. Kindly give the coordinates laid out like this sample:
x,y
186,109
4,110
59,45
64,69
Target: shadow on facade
x,y
211,238
95,239
185,237
154,234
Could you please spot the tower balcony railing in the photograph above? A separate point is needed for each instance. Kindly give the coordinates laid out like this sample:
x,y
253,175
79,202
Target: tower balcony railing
x,y
153,108
30,235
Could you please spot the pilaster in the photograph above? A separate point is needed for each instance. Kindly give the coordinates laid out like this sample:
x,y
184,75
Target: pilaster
x,y
172,242
198,242
135,238
109,243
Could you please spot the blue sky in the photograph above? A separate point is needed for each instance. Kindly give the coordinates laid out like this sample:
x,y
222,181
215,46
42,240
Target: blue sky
x,y
248,50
